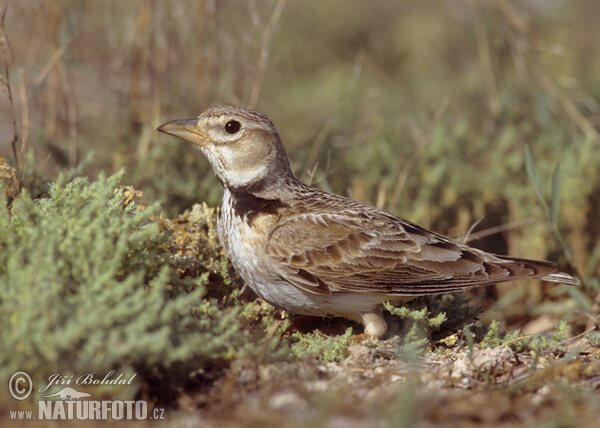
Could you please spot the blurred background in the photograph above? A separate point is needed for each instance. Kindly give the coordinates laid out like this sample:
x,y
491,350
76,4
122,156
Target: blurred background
x,y
424,111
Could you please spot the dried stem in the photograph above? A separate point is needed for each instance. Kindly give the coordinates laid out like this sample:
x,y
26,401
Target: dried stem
x,y
485,62
417,155
24,114
535,69
6,65
497,229
72,114
56,56
264,53
311,160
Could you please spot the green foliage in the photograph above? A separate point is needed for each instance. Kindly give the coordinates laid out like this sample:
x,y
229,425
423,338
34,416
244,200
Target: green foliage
x,y
496,337
551,211
195,247
418,324
261,317
88,285
594,338
323,348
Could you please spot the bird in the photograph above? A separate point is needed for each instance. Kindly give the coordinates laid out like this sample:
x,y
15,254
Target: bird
x,y
310,252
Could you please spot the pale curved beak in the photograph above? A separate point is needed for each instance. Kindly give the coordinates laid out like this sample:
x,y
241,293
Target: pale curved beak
x,y
185,129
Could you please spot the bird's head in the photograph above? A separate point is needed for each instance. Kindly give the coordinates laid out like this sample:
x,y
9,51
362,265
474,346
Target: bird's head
x,y
241,145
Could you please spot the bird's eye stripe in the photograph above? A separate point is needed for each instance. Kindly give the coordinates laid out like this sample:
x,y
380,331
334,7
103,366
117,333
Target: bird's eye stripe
x,y
232,126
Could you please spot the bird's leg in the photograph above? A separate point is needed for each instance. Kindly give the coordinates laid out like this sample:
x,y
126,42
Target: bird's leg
x,y
374,322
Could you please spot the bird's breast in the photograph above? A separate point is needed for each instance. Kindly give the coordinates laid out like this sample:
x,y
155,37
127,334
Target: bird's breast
x,y
245,240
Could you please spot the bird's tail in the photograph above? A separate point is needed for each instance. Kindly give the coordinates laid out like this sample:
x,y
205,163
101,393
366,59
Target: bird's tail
x,y
544,270
561,277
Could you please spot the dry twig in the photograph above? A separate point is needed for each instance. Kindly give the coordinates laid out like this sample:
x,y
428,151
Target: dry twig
x,y
8,58
264,52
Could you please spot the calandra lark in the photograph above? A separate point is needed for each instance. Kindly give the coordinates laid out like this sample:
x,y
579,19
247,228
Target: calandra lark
x,y
314,253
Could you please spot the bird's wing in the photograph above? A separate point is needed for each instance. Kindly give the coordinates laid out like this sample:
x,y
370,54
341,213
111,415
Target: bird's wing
x,y
375,252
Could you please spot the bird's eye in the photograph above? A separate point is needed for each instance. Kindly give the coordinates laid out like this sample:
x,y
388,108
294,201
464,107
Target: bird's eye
x,y
232,126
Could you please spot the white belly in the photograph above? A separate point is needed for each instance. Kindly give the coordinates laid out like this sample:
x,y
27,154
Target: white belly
x,y
246,248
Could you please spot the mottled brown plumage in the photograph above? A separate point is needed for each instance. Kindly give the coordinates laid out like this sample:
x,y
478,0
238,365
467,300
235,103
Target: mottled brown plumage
x,y
315,253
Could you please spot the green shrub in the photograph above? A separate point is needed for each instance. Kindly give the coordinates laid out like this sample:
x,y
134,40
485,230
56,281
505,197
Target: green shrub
x,y
88,284
418,324
519,342
323,348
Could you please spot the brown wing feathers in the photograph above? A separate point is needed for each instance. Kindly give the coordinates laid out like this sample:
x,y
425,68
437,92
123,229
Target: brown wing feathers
x,y
340,254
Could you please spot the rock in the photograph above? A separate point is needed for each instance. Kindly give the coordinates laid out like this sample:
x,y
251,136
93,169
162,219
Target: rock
x,y
288,402
360,355
491,361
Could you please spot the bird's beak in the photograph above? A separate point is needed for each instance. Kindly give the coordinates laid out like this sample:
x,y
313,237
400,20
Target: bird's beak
x,y
185,129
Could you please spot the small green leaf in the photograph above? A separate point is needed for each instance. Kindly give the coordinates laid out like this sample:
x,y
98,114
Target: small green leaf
x,y
529,164
555,194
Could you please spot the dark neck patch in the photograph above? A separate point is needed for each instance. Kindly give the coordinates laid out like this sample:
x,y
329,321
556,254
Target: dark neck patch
x,y
247,205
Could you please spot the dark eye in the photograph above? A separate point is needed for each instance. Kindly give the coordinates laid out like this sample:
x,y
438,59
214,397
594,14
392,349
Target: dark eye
x,y
232,126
